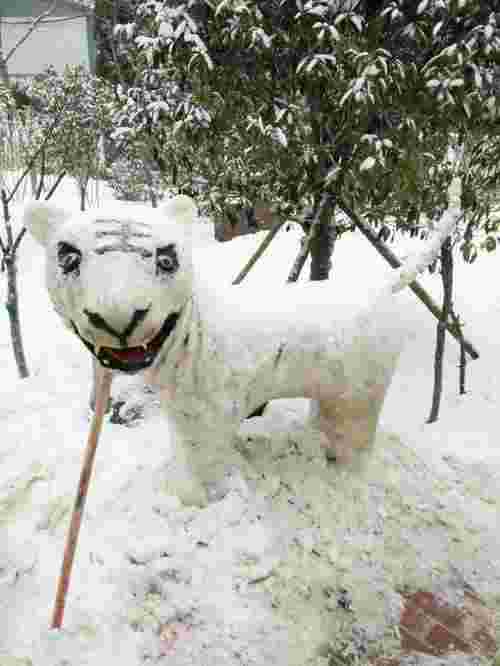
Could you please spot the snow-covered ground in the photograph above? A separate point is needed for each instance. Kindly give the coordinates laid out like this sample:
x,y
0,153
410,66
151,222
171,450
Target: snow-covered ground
x,y
253,578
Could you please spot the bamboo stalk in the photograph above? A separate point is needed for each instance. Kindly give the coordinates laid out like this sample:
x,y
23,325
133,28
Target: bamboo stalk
x,y
258,252
103,391
306,244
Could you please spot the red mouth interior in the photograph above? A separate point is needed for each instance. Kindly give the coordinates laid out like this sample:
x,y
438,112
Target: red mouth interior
x,y
130,355
134,354
132,359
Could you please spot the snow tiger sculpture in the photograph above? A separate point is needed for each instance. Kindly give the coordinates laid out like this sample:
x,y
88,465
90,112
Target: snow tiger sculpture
x,y
123,281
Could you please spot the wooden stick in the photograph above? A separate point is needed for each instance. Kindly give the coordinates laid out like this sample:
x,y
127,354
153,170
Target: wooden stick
x,y
103,391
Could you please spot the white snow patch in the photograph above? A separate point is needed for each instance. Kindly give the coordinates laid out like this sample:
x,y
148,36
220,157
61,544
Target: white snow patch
x,y
143,561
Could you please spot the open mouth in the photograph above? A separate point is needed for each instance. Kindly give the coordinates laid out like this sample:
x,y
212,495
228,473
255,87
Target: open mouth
x,y
132,359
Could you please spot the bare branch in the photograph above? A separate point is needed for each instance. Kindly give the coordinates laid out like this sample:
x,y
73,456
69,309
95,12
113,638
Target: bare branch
x,y
42,176
36,154
55,185
18,240
6,219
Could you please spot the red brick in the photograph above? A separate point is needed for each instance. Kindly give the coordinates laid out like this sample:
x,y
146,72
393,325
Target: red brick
x,y
443,641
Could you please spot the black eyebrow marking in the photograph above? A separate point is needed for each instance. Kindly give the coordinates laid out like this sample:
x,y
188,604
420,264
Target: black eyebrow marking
x,y
121,234
112,220
124,247
124,233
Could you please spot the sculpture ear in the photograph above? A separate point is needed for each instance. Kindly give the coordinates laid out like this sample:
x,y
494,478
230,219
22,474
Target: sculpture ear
x,y
183,212
180,209
42,219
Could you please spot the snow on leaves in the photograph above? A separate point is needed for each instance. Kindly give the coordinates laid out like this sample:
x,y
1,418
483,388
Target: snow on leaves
x,y
279,97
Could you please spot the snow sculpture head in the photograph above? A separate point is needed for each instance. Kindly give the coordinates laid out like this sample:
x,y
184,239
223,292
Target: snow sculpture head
x,y
119,277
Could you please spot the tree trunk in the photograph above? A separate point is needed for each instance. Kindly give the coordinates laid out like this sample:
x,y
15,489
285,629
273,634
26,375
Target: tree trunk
x,y
9,251
462,371
12,306
83,191
33,184
148,172
462,365
447,280
321,249
9,257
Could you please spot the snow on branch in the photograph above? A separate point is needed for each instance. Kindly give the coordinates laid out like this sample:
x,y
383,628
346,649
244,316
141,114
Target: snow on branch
x,y
421,260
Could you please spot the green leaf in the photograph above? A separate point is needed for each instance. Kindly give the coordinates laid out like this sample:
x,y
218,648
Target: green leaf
x,y
367,163
490,244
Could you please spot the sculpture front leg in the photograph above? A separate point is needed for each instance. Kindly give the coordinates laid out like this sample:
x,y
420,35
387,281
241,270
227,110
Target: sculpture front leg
x,y
203,453
183,478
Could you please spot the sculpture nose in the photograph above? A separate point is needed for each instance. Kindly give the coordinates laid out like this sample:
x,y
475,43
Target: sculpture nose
x,y
100,323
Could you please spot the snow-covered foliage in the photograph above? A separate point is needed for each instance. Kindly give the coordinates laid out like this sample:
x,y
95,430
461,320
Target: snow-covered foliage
x,y
6,100
128,178
13,136
75,110
277,101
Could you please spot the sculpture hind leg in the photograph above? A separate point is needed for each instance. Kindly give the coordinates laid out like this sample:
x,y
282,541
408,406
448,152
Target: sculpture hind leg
x,y
348,421
348,400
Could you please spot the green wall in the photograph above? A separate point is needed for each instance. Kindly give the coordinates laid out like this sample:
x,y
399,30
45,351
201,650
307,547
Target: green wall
x,y
92,46
22,8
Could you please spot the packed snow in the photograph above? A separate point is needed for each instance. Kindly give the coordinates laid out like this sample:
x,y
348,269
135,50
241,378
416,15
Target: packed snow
x,y
251,579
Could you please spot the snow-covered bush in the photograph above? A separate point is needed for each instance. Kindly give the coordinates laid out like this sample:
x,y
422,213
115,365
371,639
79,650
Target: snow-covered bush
x,y
79,105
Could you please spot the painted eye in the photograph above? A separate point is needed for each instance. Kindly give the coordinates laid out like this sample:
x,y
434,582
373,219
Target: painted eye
x,y
166,259
69,257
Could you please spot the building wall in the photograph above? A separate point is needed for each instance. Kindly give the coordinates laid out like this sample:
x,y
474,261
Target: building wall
x,y
33,8
61,39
